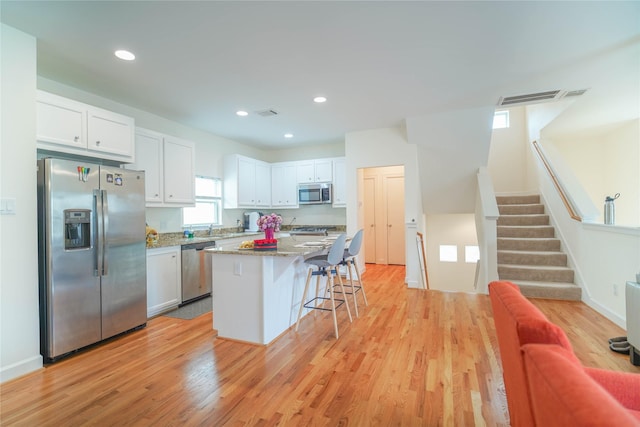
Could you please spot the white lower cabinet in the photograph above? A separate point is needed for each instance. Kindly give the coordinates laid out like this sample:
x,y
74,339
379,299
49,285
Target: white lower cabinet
x,y
164,279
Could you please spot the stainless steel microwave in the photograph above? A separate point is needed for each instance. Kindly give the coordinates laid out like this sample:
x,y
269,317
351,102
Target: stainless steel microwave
x,y
314,194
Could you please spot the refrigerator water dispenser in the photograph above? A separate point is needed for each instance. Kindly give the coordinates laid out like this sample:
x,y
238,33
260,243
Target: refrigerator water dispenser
x,y
77,229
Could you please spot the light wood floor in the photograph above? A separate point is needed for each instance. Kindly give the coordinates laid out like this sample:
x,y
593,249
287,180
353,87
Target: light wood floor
x,y
413,358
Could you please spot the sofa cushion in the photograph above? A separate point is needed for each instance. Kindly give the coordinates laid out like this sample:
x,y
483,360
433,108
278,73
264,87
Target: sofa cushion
x,y
519,322
562,394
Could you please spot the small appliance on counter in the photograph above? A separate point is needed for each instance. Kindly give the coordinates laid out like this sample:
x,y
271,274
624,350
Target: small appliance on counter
x,y
251,221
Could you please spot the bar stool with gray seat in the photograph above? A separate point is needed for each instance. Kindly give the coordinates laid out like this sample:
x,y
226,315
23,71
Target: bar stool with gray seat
x,y
349,260
327,266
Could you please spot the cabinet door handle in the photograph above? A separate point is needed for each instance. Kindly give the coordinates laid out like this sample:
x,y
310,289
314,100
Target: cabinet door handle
x,y
76,138
97,142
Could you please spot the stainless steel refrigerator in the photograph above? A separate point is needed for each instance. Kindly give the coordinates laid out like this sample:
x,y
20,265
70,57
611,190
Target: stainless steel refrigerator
x,y
92,254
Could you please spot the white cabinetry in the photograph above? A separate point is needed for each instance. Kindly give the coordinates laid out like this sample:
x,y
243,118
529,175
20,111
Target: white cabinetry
x,y
71,127
339,183
163,279
179,175
284,187
247,182
168,163
315,171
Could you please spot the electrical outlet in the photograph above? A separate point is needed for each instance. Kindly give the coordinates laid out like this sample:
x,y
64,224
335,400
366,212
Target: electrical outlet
x,y
237,268
615,289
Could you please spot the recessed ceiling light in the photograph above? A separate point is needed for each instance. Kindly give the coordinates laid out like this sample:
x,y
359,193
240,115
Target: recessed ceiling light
x,y
319,99
125,55
288,135
242,113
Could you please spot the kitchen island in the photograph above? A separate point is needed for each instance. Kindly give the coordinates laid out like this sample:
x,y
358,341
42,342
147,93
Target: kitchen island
x,y
256,294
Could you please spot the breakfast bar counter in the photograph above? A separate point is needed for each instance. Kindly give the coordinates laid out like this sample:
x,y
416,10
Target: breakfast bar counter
x,y
256,294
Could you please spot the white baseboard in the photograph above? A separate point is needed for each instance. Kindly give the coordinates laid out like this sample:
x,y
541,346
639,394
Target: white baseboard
x,y
604,311
20,368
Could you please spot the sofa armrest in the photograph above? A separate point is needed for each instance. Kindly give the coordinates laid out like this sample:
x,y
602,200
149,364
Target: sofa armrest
x,y
623,386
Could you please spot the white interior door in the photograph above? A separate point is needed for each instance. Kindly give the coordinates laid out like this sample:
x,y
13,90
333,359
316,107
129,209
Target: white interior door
x,y
383,197
369,220
394,186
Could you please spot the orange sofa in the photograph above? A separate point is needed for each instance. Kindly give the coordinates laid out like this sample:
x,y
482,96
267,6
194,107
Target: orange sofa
x,y
563,394
519,322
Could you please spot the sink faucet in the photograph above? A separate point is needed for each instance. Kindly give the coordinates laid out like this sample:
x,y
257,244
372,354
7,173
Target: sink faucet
x,y
210,229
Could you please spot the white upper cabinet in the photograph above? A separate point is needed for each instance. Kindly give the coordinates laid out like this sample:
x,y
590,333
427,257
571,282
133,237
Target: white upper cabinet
x,y
315,171
179,174
61,121
263,184
149,158
284,186
169,168
67,126
247,182
110,133
339,183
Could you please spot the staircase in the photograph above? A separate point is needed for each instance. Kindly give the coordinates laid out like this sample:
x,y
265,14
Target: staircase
x,y
529,255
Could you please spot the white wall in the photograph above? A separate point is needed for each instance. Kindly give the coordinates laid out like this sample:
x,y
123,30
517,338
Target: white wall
x,y
385,147
19,321
603,257
458,230
507,163
607,163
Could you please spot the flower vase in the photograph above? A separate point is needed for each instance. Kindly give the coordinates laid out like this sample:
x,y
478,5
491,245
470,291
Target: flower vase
x,y
268,233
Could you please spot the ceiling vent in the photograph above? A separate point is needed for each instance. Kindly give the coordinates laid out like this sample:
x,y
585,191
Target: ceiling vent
x,y
267,113
575,92
534,98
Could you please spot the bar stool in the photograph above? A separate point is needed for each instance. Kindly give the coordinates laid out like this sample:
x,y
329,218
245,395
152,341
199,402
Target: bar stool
x,y
349,260
327,265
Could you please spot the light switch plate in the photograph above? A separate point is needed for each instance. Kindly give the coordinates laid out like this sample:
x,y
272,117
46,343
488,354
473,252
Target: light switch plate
x,y
8,206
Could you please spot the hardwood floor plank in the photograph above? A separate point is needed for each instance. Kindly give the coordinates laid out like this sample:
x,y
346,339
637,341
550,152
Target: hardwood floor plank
x,y
412,358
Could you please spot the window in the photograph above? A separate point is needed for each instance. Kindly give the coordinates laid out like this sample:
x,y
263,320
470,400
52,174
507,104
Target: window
x,y
471,254
208,209
448,253
501,120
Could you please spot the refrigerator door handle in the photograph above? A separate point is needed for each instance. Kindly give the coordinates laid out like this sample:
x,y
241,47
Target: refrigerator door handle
x,y
97,241
105,230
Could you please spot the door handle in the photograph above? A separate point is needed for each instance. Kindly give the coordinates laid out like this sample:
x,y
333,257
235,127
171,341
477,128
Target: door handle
x,y
97,232
105,230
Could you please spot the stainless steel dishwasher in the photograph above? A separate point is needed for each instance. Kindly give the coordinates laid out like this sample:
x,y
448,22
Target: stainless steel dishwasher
x,y
196,271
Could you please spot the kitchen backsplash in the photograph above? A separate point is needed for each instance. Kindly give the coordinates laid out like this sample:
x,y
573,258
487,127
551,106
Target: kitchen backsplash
x,y
168,220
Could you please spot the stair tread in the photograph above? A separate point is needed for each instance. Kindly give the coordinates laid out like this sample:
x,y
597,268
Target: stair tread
x,y
536,267
533,283
529,238
525,214
527,226
518,252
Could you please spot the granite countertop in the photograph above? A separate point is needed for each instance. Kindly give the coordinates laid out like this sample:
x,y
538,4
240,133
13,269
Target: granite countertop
x,y
219,235
178,239
305,246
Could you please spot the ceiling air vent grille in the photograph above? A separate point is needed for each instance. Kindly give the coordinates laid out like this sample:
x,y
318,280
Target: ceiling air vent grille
x,y
267,113
575,92
528,98
533,98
